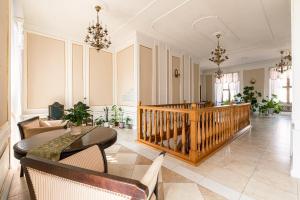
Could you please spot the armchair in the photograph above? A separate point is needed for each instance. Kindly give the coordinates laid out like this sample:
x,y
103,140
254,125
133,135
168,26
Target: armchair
x,y
66,180
35,126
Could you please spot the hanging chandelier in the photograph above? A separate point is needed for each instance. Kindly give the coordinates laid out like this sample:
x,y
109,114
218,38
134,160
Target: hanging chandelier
x,y
218,56
285,63
97,36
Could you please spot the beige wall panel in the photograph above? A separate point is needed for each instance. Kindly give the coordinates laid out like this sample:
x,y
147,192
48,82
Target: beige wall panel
x,y
77,73
258,75
4,35
146,75
46,74
209,88
125,77
175,81
101,78
196,83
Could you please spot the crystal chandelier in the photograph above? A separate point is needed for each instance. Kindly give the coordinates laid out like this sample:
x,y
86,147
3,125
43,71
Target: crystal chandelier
x,y
217,56
285,63
97,36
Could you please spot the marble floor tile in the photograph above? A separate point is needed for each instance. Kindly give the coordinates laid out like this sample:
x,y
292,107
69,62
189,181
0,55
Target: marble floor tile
x,y
180,191
121,170
209,195
122,158
113,149
262,191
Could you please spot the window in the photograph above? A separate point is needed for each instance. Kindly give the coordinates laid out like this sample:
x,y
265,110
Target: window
x,y
227,87
281,85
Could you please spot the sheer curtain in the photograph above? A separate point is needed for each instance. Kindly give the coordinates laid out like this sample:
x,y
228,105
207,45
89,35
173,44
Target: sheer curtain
x,y
278,84
227,87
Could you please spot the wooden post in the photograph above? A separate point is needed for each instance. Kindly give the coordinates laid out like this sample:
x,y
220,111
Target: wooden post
x,y
193,133
139,121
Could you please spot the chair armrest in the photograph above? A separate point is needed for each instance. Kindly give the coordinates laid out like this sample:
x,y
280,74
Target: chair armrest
x,y
151,176
92,158
129,187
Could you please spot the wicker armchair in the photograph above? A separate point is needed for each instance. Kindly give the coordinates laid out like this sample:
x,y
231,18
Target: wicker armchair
x,y
80,177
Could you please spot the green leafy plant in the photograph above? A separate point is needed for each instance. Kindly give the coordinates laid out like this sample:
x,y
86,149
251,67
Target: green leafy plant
x,y
106,110
79,114
249,96
100,121
128,122
115,115
270,105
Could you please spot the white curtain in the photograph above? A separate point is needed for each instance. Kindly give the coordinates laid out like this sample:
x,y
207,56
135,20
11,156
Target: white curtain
x,y
277,83
229,84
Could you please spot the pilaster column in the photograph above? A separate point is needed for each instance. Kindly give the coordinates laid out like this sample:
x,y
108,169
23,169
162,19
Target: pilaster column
x,y
295,142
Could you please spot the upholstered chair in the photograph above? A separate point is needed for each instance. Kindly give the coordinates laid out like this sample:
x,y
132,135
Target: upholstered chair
x,y
35,126
81,177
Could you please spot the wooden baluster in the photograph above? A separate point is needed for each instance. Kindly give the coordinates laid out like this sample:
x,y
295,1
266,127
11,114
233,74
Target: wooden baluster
x,y
145,125
217,126
140,121
150,126
168,129
203,133
210,130
155,126
213,128
206,131
161,131
175,131
183,137
193,118
199,133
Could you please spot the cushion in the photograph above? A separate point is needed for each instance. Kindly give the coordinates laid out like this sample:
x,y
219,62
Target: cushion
x,y
44,123
32,124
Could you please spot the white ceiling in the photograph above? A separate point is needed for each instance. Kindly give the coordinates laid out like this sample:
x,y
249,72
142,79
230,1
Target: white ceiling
x,y
253,30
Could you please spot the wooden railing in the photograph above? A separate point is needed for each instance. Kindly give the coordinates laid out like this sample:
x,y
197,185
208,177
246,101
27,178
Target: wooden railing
x,y
189,131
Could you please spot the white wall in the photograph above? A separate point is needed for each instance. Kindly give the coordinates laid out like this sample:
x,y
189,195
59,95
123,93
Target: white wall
x,y
162,73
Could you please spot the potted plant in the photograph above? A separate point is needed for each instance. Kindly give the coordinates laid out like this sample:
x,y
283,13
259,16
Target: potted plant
x,y
79,114
121,121
106,121
249,96
115,115
100,121
128,122
269,106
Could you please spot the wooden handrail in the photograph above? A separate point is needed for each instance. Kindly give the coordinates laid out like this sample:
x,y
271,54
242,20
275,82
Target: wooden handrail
x,y
189,131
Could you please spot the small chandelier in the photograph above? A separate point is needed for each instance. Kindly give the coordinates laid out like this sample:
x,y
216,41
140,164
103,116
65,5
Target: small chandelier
x,y
97,36
284,64
218,57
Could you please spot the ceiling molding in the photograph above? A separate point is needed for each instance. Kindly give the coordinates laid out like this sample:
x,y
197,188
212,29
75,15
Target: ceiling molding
x,y
135,16
219,19
167,13
267,19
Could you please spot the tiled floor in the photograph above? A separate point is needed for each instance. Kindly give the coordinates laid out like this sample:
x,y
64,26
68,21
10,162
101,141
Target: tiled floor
x,y
254,166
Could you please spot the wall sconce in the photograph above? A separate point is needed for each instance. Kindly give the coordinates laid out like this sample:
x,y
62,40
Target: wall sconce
x,y
176,73
253,81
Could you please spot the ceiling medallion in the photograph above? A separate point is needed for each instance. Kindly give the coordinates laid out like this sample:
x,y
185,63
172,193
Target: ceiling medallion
x,y
97,36
285,63
218,56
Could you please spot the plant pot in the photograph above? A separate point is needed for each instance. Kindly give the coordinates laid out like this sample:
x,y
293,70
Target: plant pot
x,y
106,124
129,126
121,125
271,111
